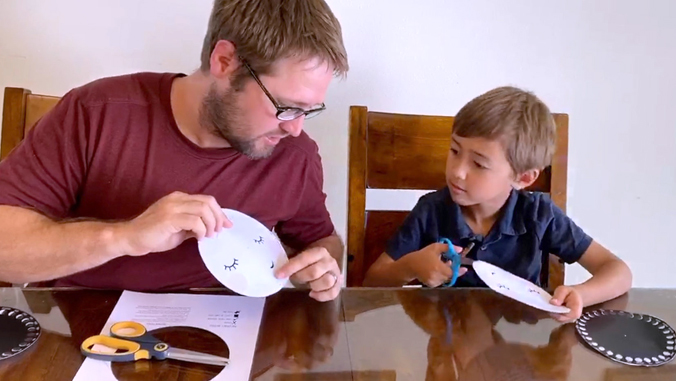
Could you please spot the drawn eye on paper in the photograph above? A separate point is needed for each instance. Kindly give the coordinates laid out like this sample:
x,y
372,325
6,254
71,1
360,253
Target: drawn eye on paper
x,y
503,286
233,266
533,290
244,257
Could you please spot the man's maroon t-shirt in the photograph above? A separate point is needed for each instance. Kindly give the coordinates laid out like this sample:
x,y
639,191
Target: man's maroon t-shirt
x,y
111,148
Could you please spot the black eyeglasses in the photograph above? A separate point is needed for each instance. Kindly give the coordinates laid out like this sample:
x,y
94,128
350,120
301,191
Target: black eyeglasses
x,y
284,113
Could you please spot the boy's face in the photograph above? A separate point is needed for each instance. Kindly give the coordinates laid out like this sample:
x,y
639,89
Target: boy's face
x,y
477,172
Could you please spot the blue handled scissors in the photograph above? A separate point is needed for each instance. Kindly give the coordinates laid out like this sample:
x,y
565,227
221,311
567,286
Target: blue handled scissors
x,y
456,259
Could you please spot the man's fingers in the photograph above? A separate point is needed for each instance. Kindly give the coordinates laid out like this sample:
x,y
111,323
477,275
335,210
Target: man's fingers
x,y
299,262
222,220
226,221
314,272
330,294
190,223
316,268
324,282
203,211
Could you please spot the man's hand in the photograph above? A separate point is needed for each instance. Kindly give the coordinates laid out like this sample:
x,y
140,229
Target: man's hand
x,y
170,221
316,268
569,297
426,265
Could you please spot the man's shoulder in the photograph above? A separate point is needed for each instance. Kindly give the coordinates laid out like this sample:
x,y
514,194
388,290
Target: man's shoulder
x,y
303,144
139,88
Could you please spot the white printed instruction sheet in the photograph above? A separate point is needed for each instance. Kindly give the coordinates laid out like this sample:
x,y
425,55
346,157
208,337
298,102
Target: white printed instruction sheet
x,y
235,319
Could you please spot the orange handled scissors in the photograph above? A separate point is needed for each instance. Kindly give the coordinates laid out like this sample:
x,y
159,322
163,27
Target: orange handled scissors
x,y
131,342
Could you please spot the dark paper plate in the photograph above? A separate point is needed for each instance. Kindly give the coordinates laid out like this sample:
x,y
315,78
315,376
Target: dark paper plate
x,y
628,338
18,331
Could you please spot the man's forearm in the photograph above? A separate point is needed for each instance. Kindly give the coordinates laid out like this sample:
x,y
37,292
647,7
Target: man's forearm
x,y
34,248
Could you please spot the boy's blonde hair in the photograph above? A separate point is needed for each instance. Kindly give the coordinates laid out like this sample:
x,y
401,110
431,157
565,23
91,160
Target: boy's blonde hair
x,y
264,32
516,118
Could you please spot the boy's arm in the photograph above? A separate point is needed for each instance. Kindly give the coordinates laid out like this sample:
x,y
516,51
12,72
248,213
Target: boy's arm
x,y
386,272
611,277
424,265
391,269
412,253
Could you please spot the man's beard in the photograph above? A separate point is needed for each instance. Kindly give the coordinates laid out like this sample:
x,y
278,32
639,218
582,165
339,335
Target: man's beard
x,y
220,114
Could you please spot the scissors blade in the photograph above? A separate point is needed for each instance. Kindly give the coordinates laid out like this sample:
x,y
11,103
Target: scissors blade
x,y
466,261
198,357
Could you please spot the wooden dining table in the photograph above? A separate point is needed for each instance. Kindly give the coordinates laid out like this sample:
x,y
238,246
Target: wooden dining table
x,y
380,334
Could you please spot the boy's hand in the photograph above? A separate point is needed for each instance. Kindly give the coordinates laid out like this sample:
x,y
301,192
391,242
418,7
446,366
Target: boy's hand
x,y
427,266
569,297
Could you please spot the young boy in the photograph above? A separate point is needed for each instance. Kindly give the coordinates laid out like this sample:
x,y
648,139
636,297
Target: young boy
x,y
501,141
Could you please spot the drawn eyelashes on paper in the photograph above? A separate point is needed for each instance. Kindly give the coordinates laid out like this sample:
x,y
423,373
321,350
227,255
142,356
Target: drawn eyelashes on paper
x,y
531,290
259,240
233,266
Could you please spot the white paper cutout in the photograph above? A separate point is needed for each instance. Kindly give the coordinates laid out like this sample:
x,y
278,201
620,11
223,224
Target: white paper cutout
x,y
235,319
515,287
243,258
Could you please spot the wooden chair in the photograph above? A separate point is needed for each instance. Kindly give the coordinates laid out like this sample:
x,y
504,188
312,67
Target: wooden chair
x,y
398,151
21,110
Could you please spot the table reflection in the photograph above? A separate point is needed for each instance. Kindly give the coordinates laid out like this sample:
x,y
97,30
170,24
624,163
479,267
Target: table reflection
x,y
464,343
297,333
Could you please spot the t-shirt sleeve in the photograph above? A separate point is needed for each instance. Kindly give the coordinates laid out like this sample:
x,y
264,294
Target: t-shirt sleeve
x,y
562,237
45,171
409,236
312,221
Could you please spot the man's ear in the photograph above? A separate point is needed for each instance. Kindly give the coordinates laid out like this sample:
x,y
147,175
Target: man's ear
x,y
526,179
224,60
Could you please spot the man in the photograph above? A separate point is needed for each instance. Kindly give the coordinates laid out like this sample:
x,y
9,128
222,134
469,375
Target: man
x,y
113,187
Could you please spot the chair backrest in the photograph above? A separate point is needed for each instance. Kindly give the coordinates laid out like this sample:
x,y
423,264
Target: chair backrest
x,y
399,151
21,110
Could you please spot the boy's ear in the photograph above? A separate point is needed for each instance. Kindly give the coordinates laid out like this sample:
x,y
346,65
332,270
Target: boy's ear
x,y
526,179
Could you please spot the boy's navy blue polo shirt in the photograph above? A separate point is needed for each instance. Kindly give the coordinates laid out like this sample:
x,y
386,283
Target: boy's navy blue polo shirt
x,y
530,226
